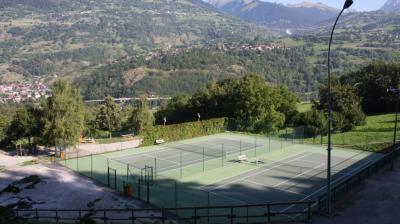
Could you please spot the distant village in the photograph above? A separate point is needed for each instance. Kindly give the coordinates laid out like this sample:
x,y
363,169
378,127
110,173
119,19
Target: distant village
x,y
24,92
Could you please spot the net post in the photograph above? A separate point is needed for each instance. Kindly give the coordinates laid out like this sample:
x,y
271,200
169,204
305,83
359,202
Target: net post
x,y
203,158
127,172
240,153
255,146
180,163
77,160
269,142
223,155
155,169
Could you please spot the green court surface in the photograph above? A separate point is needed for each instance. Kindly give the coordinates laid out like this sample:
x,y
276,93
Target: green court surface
x,y
205,171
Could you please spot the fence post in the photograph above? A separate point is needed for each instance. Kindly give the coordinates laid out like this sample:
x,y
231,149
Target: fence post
x,y
231,215
105,216
268,214
309,213
56,215
133,216
208,207
162,215
37,214
195,215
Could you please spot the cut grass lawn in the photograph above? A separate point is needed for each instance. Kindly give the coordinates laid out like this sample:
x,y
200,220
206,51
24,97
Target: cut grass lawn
x,y
111,140
304,107
375,135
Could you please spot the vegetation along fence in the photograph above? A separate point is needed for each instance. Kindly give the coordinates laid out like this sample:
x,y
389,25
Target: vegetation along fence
x,y
258,213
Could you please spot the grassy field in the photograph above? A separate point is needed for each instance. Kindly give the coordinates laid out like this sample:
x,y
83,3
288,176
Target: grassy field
x,y
304,106
375,135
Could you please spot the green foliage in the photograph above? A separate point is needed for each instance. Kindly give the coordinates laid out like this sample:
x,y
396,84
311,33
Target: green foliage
x,y
250,102
181,131
3,127
186,71
26,123
314,122
109,116
64,115
346,106
372,83
141,117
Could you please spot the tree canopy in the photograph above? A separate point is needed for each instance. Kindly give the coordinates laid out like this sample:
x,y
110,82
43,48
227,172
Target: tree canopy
x,y
64,115
250,102
109,116
141,117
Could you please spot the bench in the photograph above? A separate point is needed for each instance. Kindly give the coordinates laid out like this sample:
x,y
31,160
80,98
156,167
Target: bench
x,y
242,158
160,141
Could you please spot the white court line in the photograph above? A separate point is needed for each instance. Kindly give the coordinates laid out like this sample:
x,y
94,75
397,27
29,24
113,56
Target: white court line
x,y
262,171
256,183
299,175
320,189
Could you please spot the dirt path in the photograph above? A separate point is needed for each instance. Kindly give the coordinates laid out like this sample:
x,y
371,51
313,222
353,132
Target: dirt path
x,y
375,201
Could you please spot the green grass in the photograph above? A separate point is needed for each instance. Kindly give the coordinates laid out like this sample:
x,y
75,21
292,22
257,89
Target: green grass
x,y
304,107
111,140
375,135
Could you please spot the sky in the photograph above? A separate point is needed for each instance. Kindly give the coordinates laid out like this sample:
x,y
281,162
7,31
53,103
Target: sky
x,y
359,5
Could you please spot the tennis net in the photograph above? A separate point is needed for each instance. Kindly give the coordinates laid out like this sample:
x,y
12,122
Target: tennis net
x,y
202,150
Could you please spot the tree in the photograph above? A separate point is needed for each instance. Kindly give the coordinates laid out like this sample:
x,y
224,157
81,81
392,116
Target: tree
x,y
314,121
109,116
3,127
64,115
371,84
287,104
346,106
254,105
26,124
141,117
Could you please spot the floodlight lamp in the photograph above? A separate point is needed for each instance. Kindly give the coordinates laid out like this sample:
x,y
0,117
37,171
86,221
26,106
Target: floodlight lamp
x,y
347,4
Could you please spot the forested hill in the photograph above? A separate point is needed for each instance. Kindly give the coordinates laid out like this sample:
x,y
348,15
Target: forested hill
x,y
298,62
186,70
57,37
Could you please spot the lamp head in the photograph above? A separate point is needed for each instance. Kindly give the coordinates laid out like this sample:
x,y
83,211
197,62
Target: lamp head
x,y
347,4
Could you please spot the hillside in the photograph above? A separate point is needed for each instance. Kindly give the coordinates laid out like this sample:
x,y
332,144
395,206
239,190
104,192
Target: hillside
x,y
58,37
298,61
277,16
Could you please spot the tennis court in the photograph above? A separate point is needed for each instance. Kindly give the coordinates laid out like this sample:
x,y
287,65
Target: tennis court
x,y
205,171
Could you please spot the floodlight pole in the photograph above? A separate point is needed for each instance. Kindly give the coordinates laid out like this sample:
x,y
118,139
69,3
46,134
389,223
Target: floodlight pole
x,y
347,4
396,93
395,132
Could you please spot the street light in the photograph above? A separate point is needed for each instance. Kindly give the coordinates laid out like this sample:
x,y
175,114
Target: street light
x,y
346,5
396,93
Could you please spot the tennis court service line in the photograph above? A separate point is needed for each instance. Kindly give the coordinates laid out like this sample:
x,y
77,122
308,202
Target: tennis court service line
x,y
262,170
277,189
333,182
299,175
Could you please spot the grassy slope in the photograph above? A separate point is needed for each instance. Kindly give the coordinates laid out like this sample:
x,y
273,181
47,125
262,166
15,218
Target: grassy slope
x,y
374,135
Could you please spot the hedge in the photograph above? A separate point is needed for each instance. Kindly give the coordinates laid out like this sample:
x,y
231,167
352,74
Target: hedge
x,y
184,130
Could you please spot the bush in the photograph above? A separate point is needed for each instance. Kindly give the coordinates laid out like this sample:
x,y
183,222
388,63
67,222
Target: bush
x,y
183,131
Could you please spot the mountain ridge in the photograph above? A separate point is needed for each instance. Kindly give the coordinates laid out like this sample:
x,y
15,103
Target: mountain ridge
x,y
274,15
391,6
